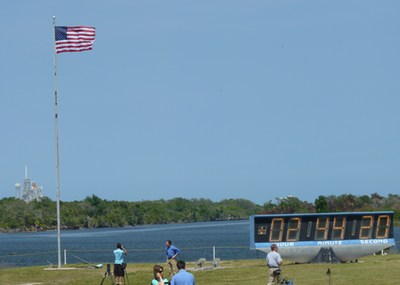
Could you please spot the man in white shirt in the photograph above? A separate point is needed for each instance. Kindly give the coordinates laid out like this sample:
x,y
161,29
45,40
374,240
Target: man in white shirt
x,y
274,260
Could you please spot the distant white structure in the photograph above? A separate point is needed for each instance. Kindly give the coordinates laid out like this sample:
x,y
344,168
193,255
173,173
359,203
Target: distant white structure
x,y
30,190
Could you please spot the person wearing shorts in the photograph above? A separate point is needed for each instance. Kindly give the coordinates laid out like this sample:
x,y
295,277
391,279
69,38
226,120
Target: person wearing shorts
x,y
119,270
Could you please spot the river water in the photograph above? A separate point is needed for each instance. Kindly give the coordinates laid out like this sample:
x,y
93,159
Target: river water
x,y
144,243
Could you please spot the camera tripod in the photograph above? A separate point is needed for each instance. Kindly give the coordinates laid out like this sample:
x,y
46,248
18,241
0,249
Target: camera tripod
x,y
126,279
110,274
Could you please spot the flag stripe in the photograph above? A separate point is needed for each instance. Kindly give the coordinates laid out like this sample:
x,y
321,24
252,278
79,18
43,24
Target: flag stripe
x,y
74,39
74,50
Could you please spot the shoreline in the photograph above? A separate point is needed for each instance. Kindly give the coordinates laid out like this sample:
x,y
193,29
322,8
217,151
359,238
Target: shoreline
x,y
64,228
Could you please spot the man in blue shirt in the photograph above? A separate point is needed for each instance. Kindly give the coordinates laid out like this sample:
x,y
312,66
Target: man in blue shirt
x,y
182,277
171,253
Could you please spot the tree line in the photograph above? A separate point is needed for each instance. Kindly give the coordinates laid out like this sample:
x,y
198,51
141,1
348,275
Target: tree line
x,y
94,212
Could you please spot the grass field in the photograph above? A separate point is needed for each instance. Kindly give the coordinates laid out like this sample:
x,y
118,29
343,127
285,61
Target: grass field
x,y
368,271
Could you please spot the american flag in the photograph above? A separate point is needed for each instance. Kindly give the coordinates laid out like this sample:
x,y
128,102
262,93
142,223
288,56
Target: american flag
x,y
74,39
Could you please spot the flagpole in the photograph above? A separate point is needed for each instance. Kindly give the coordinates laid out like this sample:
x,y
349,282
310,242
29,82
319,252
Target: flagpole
x,y
57,150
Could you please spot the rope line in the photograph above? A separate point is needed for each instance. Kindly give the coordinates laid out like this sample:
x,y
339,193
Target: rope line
x,y
26,254
157,249
110,250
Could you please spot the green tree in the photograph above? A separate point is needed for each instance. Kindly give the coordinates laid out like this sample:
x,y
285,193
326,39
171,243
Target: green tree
x,y
321,205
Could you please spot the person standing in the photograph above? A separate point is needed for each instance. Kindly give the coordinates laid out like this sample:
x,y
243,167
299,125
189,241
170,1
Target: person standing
x,y
274,260
119,270
171,253
182,277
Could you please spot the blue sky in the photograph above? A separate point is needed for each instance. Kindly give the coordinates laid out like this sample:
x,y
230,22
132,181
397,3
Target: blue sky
x,y
203,99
